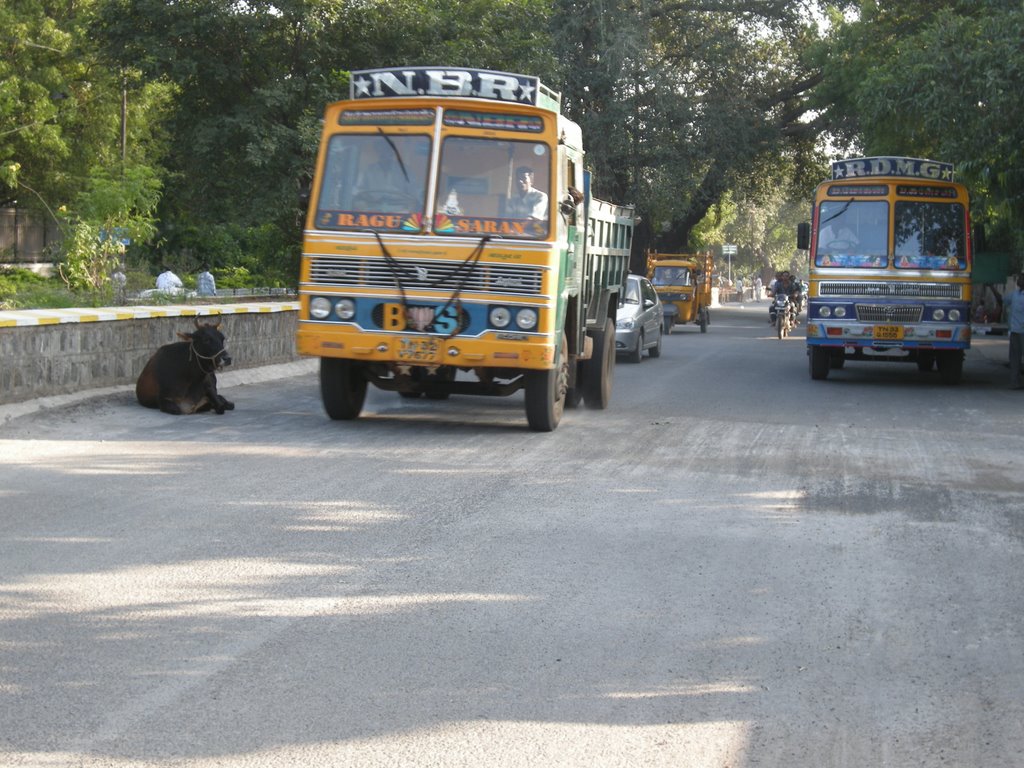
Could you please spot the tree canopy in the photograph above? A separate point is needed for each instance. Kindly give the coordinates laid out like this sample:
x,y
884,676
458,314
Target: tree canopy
x,y
715,117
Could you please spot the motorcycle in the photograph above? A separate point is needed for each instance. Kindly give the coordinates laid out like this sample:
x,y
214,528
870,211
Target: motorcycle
x,y
783,314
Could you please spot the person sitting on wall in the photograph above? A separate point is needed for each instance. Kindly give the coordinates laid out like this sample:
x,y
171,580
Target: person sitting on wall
x,y
205,284
168,281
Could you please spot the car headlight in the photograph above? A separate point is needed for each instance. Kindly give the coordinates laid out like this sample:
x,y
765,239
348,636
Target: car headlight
x,y
346,309
825,312
500,317
526,319
624,325
319,307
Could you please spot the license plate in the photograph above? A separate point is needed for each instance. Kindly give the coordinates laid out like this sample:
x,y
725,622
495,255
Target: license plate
x,y
419,350
888,332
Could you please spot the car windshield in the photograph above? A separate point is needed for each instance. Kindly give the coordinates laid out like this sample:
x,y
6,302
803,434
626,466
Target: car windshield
x,y
493,186
374,181
632,293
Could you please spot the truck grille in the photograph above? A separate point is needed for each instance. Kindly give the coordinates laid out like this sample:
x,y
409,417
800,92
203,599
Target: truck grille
x,y
889,313
895,290
373,272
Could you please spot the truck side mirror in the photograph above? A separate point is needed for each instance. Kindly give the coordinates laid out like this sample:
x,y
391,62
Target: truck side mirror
x,y
803,236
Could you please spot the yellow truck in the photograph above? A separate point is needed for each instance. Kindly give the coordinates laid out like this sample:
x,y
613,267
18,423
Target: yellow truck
x,y
683,281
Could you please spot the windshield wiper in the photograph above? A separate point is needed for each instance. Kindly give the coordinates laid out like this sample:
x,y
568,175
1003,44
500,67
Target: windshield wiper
x,y
398,155
839,213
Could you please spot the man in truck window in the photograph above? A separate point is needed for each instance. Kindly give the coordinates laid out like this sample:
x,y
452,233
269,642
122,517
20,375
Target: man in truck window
x,y
529,203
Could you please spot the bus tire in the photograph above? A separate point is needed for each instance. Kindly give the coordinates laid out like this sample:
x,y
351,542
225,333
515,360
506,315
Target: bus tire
x,y
951,365
342,388
545,392
597,385
820,361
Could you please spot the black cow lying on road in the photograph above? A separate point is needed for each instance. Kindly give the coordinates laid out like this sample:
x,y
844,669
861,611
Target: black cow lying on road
x,y
179,377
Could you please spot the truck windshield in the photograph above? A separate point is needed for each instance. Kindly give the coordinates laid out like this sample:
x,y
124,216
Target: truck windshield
x,y
853,233
374,181
493,186
930,235
671,276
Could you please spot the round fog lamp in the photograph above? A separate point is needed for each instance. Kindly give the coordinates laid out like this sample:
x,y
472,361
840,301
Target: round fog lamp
x,y
346,309
500,317
938,314
526,318
840,311
319,307
825,312
954,315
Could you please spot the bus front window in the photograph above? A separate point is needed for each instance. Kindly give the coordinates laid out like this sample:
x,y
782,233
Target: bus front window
x,y
853,233
930,235
493,186
374,181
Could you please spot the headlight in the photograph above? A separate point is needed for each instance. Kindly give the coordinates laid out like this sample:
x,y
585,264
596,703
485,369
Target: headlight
x,y
840,311
938,314
346,309
954,315
526,319
825,312
500,317
319,307
624,325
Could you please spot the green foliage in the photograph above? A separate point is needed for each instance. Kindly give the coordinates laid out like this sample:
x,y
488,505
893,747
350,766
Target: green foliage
x,y
109,211
941,80
24,289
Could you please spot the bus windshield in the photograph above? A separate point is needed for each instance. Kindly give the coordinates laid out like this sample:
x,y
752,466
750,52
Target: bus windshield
x,y
494,186
853,233
374,181
930,235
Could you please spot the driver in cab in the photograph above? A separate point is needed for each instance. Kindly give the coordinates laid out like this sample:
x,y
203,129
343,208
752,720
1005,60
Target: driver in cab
x,y
387,186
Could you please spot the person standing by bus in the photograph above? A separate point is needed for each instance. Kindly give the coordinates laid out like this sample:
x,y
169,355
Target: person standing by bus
x,y
1014,304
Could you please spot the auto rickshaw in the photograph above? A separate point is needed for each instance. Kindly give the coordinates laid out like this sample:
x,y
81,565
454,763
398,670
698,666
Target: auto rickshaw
x,y
683,281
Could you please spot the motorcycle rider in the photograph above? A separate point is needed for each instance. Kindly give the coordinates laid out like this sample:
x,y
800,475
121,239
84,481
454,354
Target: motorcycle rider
x,y
782,285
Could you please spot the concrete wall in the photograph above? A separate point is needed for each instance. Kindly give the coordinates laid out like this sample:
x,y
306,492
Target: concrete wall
x,y
55,352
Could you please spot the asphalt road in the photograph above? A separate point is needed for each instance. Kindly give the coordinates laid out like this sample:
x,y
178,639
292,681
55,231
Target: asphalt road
x,y
732,566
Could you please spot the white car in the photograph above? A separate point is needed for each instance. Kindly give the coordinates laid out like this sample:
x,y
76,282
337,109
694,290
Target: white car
x,y
638,323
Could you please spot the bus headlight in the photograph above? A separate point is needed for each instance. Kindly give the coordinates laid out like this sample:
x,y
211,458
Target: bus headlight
x,y
825,312
500,317
954,315
526,319
319,307
938,314
345,309
840,311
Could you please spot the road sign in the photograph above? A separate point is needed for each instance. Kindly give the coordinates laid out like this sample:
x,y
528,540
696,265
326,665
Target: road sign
x,y
728,250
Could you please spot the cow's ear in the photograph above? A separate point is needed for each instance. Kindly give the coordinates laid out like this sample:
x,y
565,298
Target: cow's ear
x,y
184,336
